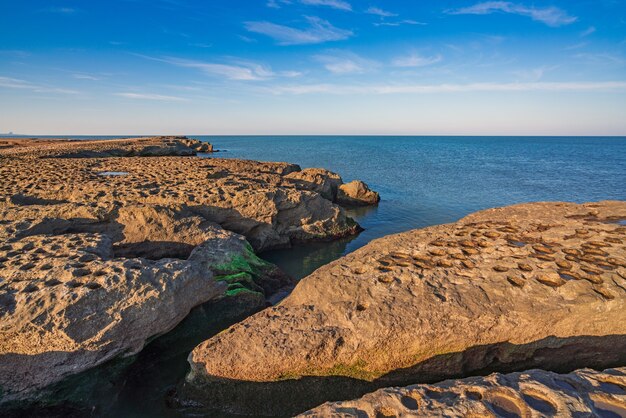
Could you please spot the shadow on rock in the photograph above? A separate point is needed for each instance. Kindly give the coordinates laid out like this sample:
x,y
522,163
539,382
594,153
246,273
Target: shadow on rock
x,y
293,396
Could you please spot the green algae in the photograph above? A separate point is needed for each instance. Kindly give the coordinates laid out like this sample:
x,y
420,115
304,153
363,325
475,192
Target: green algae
x,y
242,272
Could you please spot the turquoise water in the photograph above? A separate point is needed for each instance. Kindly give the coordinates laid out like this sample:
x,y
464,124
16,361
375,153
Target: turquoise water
x,y
431,180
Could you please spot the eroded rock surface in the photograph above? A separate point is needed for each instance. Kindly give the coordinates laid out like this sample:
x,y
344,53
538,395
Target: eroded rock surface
x,y
532,285
99,254
257,200
131,147
535,393
77,292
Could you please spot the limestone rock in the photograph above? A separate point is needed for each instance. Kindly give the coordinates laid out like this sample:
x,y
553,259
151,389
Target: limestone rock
x,y
473,296
254,199
356,193
78,287
131,147
318,180
535,393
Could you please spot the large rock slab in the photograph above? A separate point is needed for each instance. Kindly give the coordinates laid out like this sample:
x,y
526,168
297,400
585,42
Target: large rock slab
x,y
535,393
158,146
257,200
532,285
78,291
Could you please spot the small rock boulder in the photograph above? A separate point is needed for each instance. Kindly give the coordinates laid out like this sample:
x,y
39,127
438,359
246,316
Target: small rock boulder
x,y
356,193
324,182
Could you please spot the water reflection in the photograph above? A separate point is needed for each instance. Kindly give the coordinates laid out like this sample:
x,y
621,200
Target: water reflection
x,y
301,261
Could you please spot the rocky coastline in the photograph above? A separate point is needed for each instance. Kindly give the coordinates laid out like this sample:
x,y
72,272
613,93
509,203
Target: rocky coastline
x,y
540,285
106,245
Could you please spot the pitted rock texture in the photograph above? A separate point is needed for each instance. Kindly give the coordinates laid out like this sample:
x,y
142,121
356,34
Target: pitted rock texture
x,y
531,394
77,289
532,285
257,200
130,147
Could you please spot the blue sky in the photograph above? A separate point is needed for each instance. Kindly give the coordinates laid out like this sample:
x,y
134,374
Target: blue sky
x,y
313,67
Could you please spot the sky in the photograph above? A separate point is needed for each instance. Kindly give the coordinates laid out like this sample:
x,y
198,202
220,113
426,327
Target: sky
x,y
280,67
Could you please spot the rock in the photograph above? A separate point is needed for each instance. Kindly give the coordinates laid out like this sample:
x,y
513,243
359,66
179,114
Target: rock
x,y
356,193
71,299
318,180
132,147
535,393
100,254
254,199
409,308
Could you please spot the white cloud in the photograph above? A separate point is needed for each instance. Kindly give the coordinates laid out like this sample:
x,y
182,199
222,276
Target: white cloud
x,y
551,16
85,77
148,96
15,83
342,89
533,74
335,4
416,60
238,70
380,12
400,22
345,63
60,10
588,31
602,58
319,31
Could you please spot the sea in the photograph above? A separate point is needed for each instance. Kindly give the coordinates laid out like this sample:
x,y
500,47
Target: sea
x,y
430,180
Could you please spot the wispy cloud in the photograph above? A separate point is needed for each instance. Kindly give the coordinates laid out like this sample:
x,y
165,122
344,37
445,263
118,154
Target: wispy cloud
x,y
551,16
533,74
335,4
79,76
319,31
576,46
380,12
148,96
60,10
416,60
16,83
602,58
342,89
238,70
400,22
340,62
588,31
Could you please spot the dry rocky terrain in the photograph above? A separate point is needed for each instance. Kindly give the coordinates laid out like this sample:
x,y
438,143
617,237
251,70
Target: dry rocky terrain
x,y
532,394
105,245
538,285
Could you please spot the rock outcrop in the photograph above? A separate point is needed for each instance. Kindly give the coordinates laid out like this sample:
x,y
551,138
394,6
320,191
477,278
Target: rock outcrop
x,y
78,291
99,254
535,393
532,285
258,200
159,146
356,193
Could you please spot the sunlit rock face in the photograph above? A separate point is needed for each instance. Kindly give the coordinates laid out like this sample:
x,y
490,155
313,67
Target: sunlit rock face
x,y
531,285
108,244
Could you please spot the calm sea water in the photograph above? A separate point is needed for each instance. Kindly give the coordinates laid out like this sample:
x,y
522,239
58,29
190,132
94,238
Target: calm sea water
x,y
422,181
431,180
